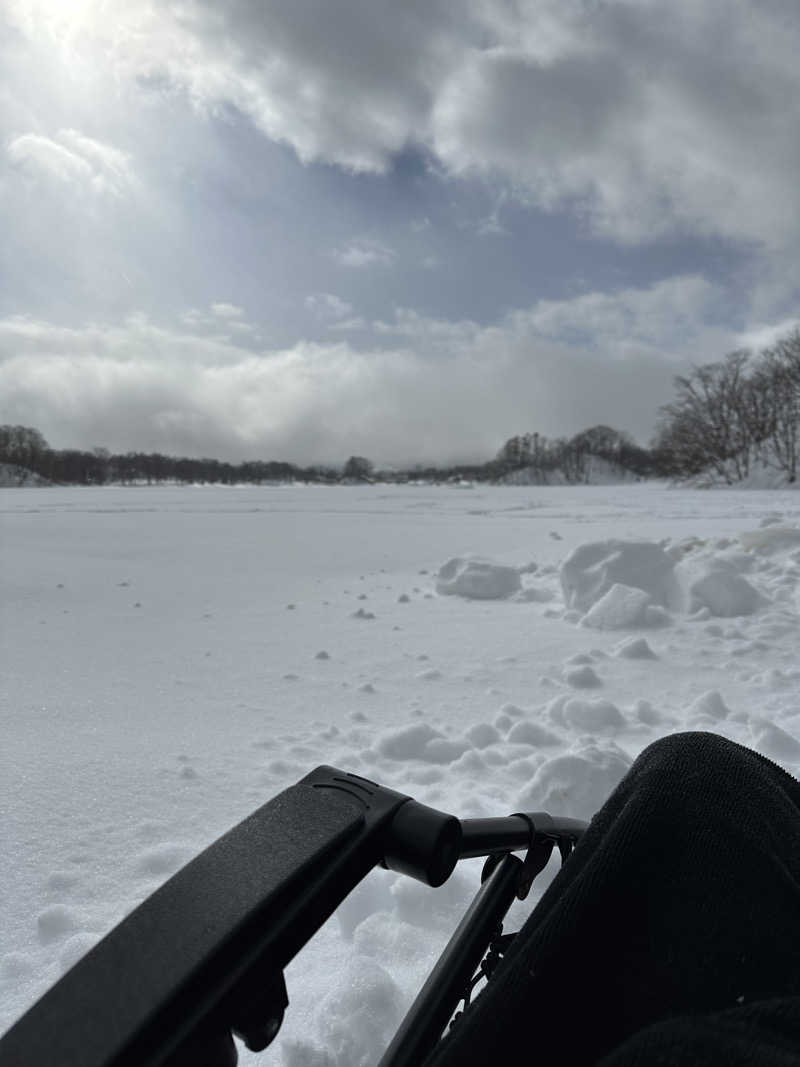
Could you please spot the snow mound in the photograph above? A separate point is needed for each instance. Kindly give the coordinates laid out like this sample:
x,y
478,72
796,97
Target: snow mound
x,y
591,570
576,784
590,716
710,705
623,607
355,1021
420,741
477,579
532,733
713,582
583,678
483,734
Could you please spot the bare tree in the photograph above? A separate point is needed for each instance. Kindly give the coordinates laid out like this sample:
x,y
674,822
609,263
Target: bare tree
x,y
781,363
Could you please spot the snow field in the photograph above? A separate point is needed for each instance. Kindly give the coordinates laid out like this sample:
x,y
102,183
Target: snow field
x,y
174,658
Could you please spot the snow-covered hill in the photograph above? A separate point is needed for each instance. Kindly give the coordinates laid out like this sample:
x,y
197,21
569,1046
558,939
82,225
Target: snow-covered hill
x,y
13,476
596,471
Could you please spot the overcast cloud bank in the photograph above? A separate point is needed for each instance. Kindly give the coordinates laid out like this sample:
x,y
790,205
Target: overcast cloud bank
x,y
509,218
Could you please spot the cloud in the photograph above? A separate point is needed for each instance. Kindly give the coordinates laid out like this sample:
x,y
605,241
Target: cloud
x,y
227,311
364,253
328,306
221,320
357,323
72,157
424,390
628,320
645,119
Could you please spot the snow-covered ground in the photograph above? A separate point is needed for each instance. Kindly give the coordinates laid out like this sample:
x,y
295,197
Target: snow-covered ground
x,y
174,657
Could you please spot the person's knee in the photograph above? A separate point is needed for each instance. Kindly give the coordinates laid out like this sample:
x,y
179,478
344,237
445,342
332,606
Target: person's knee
x,y
688,746
690,757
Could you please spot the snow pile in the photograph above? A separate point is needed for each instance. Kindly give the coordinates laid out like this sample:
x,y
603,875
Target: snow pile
x,y
591,570
623,607
578,782
420,742
477,579
713,582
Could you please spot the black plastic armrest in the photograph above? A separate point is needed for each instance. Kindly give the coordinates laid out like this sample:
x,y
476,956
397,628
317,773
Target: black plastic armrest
x,y
204,955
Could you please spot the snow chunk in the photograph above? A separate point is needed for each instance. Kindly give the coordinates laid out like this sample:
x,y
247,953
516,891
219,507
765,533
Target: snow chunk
x,y
531,733
483,734
477,579
444,750
591,570
710,705
355,1021
713,583
774,742
622,607
362,614
634,648
583,678
591,716
646,713
420,741
576,784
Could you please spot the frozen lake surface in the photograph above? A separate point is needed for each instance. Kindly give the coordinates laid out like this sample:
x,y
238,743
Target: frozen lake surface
x,y
174,657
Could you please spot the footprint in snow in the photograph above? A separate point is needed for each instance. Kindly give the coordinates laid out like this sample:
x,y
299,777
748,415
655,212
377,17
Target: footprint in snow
x,y
55,922
164,859
61,880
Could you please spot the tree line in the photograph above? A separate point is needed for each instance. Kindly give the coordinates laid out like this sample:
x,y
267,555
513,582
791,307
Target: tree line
x,y
24,447
725,418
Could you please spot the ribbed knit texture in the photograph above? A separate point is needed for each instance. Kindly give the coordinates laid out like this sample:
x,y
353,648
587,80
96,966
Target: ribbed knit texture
x,y
671,935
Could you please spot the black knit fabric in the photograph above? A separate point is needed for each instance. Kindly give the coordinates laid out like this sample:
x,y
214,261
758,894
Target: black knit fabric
x,y
671,935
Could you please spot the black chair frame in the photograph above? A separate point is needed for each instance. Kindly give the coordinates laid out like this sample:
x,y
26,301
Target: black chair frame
x,y
203,957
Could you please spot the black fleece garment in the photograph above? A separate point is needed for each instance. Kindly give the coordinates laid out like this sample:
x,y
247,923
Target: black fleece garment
x,y
670,936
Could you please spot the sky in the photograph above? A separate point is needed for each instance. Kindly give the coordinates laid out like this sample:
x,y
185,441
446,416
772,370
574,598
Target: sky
x,y
300,231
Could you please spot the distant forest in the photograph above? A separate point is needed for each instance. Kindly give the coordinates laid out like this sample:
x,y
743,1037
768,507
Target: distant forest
x,y
25,448
726,418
